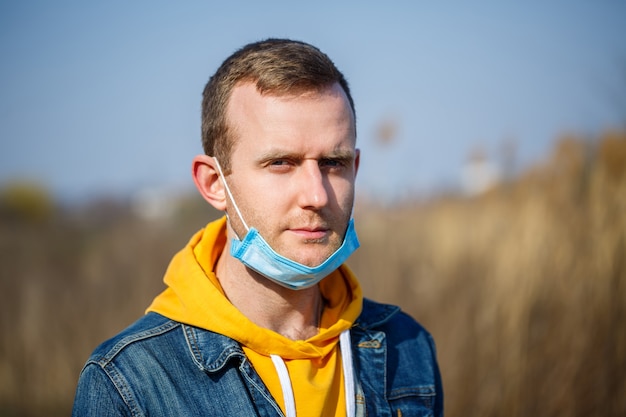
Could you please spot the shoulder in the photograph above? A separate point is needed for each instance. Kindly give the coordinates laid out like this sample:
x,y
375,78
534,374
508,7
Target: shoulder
x,y
143,331
152,359
388,318
117,368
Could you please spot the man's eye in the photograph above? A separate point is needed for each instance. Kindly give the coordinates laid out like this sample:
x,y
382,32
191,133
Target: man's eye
x,y
331,163
279,162
280,165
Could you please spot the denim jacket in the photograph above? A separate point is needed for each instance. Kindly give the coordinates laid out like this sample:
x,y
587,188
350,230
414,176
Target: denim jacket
x,y
160,367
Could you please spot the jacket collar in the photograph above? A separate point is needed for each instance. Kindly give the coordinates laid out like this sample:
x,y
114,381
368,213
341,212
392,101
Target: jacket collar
x,y
375,314
212,351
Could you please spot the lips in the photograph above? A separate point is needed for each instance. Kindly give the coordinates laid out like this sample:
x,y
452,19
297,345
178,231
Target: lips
x,y
308,232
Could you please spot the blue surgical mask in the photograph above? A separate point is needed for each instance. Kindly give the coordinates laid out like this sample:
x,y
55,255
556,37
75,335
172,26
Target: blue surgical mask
x,y
254,252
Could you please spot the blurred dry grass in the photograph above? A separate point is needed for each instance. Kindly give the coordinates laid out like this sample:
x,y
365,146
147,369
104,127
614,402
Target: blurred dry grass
x,y
524,287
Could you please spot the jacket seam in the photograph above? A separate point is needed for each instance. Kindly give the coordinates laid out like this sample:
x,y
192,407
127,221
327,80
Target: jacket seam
x,y
420,391
246,369
110,354
124,390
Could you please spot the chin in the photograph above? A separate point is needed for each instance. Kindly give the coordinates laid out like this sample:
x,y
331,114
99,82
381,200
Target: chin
x,y
316,260
311,253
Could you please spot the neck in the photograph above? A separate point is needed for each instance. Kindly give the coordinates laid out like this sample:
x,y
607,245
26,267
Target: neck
x,y
293,314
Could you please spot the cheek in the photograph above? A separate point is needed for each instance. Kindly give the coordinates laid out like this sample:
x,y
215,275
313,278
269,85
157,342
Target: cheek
x,y
261,202
344,193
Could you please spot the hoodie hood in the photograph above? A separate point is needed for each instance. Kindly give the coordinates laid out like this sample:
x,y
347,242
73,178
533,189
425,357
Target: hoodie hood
x,y
194,296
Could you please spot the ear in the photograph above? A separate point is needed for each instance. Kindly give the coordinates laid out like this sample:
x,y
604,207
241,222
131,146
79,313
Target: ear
x,y
357,160
207,179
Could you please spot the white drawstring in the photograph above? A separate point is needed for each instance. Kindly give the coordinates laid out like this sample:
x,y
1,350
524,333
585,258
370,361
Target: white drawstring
x,y
348,371
348,377
285,384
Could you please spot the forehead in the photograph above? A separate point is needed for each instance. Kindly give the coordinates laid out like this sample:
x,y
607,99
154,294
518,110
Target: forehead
x,y
314,116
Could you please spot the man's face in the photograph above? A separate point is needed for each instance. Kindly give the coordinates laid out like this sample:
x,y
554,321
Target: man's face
x,y
294,165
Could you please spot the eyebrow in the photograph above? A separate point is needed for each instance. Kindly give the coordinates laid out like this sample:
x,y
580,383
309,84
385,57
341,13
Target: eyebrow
x,y
274,154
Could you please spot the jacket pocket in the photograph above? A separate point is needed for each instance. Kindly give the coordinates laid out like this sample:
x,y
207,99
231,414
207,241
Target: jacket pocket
x,y
412,402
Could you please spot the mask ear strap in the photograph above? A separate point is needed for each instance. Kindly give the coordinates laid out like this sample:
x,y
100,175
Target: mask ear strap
x,y
219,169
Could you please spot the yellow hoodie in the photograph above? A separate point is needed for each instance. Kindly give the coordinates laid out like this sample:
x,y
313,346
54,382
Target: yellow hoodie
x,y
194,296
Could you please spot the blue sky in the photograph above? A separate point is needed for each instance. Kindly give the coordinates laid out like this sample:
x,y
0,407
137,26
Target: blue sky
x,y
104,97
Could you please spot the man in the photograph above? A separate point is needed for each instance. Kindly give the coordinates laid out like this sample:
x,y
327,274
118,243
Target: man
x,y
261,316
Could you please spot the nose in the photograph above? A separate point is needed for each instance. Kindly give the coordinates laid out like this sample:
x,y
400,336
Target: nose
x,y
312,186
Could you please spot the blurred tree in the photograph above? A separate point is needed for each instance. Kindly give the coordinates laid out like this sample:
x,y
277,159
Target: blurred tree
x,y
612,154
25,202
